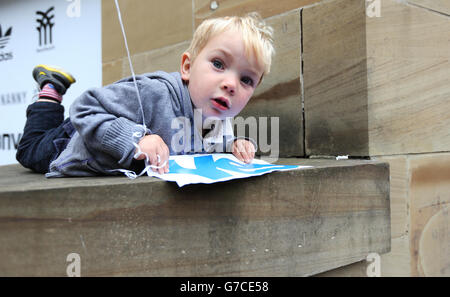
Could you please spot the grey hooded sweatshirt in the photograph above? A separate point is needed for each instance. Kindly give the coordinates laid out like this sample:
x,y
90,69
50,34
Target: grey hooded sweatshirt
x,y
108,123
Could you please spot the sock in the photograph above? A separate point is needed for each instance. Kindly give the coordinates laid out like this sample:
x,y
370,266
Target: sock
x,y
49,92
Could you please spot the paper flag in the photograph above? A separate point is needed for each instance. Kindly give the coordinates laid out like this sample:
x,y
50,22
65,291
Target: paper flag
x,y
212,168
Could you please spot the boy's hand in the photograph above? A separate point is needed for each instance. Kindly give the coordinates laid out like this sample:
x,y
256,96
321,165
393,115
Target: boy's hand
x,y
153,145
244,150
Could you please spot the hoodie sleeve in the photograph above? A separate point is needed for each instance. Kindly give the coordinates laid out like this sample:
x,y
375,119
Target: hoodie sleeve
x,y
109,120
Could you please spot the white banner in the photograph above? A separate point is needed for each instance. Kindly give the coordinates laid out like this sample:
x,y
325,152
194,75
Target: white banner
x,y
64,33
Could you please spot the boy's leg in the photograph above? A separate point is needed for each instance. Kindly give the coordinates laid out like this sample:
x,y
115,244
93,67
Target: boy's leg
x,y
45,133
44,125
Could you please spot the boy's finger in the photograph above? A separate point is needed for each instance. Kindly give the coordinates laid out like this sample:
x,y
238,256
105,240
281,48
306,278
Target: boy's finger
x,y
238,150
161,158
237,155
160,161
240,146
252,155
251,151
153,160
241,157
166,167
245,156
244,150
165,160
251,147
249,156
166,152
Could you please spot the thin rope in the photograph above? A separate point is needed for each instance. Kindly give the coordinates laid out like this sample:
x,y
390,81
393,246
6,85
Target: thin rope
x,y
138,135
129,61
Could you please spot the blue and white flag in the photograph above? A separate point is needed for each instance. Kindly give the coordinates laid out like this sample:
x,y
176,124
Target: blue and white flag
x,y
212,168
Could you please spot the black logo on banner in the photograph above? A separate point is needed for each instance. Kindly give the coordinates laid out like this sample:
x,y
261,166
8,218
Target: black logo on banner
x,y
4,39
13,98
45,28
9,141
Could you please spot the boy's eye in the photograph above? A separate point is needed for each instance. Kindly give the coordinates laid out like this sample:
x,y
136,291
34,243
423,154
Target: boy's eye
x,y
247,80
218,64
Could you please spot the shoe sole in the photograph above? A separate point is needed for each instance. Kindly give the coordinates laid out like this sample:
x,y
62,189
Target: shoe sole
x,y
60,79
67,75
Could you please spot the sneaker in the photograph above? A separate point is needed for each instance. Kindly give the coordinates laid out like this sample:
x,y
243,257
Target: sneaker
x,y
59,78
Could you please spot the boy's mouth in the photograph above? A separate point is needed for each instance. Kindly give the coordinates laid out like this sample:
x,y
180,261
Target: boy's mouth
x,y
221,103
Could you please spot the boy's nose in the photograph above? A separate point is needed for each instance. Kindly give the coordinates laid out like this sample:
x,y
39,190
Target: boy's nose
x,y
229,89
229,85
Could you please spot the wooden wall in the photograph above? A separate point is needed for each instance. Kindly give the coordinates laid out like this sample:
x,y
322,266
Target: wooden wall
x,y
408,62
408,125
342,83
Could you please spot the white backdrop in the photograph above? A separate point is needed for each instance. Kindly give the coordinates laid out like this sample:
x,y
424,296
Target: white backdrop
x,y
75,45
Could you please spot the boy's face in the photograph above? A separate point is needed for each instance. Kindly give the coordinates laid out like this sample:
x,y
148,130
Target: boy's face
x,y
222,78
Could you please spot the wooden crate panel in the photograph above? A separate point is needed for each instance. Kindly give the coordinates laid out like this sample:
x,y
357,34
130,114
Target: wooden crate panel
x,y
148,25
430,222
112,71
442,6
166,59
408,80
335,78
402,107
399,194
283,224
267,8
397,263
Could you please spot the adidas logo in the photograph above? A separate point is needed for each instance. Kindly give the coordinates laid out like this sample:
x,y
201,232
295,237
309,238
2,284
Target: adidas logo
x,y
4,38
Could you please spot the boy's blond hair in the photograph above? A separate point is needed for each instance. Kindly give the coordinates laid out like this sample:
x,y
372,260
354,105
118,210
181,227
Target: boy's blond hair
x,y
258,37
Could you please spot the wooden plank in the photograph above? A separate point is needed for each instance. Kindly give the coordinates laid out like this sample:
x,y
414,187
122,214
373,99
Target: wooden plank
x,y
397,263
279,95
357,269
430,222
282,224
408,79
112,71
401,108
442,6
399,194
267,8
148,24
166,59
335,78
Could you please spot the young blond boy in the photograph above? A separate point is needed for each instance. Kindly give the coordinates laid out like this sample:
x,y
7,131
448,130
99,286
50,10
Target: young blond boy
x,y
110,129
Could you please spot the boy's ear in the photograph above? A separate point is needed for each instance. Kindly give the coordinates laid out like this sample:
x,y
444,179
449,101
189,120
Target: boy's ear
x,y
185,66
